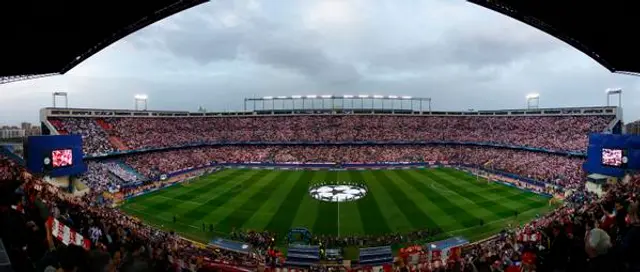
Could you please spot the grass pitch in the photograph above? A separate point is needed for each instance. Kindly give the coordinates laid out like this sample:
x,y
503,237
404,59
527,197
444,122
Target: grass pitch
x,y
278,200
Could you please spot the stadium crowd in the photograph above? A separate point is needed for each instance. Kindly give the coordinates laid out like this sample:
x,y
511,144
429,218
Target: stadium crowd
x,y
374,240
8,169
587,233
554,169
117,242
104,176
592,234
94,139
561,133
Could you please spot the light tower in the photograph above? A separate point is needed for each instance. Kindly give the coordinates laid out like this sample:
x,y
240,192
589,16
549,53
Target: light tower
x,y
614,91
61,94
140,98
533,101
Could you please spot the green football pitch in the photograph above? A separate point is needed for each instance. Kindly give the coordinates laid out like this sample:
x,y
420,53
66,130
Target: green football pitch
x,y
396,201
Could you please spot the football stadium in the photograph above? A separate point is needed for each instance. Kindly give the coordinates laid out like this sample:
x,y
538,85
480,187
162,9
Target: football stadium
x,y
308,182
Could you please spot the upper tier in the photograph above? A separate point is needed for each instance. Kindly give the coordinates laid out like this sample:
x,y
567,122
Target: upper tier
x,y
559,132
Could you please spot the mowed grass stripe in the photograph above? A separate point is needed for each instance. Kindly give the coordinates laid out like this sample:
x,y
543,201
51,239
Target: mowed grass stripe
x,y
489,186
378,212
496,189
463,217
203,181
169,204
245,210
498,209
213,203
350,222
203,192
179,189
265,214
481,182
235,202
306,215
228,184
181,205
453,196
411,211
327,215
285,215
511,197
441,218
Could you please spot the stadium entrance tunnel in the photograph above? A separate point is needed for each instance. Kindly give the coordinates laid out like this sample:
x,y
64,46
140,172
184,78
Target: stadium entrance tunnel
x,y
337,191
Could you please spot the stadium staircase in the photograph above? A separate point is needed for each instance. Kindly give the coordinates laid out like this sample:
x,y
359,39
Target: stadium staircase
x,y
114,140
55,127
131,170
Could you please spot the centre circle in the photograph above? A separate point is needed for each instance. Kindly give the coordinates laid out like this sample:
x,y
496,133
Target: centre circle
x,y
337,192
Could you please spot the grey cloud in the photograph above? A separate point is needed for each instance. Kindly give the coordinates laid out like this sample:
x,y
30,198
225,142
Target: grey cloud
x,y
474,50
308,60
257,38
203,47
461,55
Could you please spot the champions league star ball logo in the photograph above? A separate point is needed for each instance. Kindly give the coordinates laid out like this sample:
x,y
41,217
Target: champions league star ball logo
x,y
337,191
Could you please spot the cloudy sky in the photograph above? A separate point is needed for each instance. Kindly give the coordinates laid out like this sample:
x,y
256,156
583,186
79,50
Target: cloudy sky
x,y
459,54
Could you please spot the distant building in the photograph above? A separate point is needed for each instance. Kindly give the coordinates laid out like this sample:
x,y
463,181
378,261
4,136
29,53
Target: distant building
x,y
33,131
11,132
25,125
633,127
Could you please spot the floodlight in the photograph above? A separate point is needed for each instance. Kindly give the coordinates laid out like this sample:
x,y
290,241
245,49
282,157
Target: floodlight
x,y
533,96
378,96
312,96
267,97
296,96
326,96
393,96
406,97
363,96
613,90
347,96
140,96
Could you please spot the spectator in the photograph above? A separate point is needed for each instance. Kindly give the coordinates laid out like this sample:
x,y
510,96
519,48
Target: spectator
x,y
558,133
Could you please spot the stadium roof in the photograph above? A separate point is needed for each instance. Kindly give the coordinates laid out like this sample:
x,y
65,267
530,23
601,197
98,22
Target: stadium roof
x,y
51,37
602,30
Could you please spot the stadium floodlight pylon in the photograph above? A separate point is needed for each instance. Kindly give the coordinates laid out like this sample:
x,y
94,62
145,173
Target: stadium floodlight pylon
x,y
368,103
63,95
614,91
535,98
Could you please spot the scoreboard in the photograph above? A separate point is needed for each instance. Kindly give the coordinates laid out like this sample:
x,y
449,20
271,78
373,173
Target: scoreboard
x,y
612,154
54,155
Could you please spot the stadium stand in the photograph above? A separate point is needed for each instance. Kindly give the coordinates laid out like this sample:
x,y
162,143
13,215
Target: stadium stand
x,y
552,242
9,170
556,169
556,133
571,219
539,164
